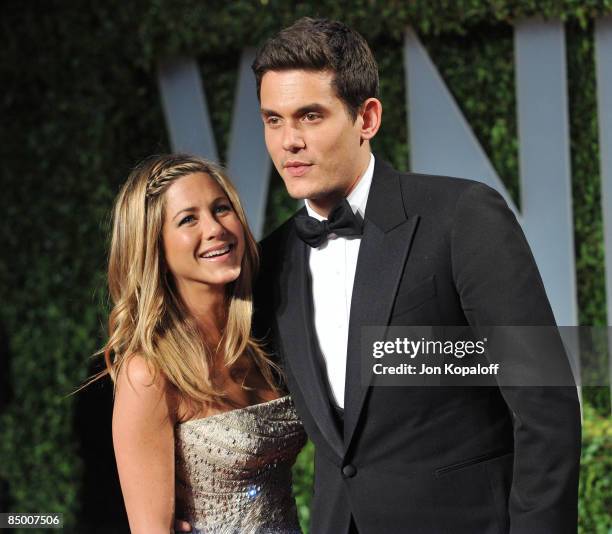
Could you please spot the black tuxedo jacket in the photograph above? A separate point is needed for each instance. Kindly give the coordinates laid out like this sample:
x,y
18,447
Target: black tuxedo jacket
x,y
435,251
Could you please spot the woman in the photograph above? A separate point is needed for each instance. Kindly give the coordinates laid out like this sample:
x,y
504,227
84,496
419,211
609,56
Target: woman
x,y
199,429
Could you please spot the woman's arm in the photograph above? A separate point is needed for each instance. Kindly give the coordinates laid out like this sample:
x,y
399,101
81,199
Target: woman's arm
x,y
143,438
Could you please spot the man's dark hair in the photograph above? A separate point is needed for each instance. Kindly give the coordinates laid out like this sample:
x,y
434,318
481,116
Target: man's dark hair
x,y
321,44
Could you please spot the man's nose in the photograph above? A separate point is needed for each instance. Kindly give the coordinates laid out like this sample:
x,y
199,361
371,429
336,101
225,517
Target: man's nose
x,y
292,139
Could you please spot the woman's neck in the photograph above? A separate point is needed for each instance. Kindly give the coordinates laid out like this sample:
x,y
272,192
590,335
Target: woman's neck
x,y
208,307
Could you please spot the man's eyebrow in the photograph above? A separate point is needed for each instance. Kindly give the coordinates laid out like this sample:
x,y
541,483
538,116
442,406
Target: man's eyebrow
x,y
190,208
308,108
311,108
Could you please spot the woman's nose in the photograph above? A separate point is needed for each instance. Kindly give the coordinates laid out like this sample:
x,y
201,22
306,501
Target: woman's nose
x,y
212,228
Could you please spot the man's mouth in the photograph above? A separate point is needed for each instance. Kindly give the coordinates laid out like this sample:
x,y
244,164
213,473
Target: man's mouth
x,y
218,251
297,168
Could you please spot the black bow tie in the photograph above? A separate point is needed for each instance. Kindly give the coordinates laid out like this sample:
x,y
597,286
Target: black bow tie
x,y
342,222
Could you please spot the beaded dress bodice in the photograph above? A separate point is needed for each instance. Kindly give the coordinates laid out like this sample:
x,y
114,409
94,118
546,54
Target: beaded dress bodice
x,y
233,470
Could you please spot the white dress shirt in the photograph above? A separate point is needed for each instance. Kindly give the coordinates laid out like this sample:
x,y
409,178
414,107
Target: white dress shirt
x,y
332,270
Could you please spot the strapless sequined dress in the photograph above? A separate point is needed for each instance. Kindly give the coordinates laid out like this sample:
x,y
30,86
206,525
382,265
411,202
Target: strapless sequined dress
x,y
233,470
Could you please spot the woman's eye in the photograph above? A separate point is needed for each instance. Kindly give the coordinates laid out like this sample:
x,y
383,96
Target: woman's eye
x,y
187,219
222,208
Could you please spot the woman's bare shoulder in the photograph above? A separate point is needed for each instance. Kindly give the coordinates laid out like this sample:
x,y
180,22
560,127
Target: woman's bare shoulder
x,y
140,373
144,388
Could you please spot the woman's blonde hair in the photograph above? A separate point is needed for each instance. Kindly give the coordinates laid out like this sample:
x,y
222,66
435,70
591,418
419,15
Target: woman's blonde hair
x,y
148,317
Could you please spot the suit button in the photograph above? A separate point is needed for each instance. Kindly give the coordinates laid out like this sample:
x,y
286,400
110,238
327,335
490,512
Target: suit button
x,y
349,471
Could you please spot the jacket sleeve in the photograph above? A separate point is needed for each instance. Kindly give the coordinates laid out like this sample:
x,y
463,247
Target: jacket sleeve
x,y
499,285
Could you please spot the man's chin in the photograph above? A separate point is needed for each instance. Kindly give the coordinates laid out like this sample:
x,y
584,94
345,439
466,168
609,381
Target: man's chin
x,y
300,188
298,193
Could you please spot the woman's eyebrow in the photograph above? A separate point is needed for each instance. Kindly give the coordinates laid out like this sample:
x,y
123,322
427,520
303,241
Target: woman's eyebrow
x,y
190,208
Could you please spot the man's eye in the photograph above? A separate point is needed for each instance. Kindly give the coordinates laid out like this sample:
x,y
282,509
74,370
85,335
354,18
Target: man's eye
x,y
187,219
312,116
272,121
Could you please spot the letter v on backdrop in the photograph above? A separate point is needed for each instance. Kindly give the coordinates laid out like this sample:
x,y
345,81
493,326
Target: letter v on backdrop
x,y
441,141
189,128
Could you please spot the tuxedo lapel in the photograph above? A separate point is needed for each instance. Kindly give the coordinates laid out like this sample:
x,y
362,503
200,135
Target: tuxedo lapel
x,y
295,324
387,237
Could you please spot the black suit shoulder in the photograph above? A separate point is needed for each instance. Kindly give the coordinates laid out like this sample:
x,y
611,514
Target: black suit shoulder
x,y
444,199
438,180
440,192
276,238
273,252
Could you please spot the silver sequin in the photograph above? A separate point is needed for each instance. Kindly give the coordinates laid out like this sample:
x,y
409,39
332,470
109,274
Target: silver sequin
x,y
233,470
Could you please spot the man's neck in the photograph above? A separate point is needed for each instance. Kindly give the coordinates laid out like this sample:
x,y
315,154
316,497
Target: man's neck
x,y
323,206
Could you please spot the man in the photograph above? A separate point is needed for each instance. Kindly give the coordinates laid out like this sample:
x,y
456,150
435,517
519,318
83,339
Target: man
x,y
398,249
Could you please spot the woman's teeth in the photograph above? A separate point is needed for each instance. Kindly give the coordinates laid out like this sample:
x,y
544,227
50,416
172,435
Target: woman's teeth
x,y
218,252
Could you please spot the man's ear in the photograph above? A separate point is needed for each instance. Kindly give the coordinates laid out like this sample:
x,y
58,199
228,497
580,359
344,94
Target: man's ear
x,y
371,115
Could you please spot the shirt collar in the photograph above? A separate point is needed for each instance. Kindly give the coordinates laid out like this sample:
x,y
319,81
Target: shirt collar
x,y
358,197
